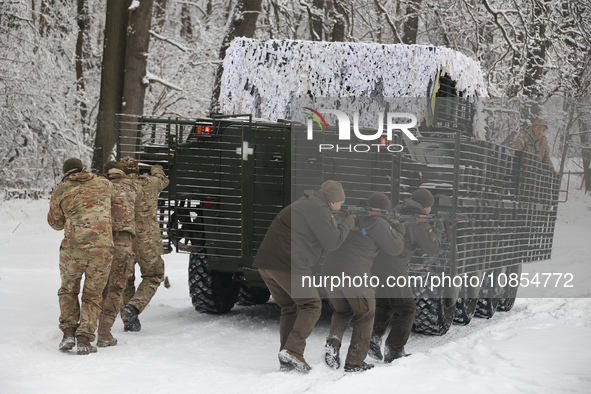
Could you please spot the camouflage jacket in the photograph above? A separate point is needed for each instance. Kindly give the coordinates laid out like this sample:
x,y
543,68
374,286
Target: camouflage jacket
x,y
81,206
123,208
148,230
528,142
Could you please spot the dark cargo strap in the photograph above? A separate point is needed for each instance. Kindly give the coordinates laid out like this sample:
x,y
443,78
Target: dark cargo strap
x,y
125,234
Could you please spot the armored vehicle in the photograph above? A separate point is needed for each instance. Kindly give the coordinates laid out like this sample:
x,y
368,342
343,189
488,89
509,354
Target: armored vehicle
x,y
230,175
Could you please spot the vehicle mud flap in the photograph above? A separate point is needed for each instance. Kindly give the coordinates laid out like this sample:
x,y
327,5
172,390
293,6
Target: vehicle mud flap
x,y
211,291
509,293
250,295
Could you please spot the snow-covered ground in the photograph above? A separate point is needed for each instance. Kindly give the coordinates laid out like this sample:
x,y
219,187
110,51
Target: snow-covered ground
x,y
541,346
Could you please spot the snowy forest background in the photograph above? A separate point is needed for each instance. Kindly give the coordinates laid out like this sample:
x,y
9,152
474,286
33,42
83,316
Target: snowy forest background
x,y
51,57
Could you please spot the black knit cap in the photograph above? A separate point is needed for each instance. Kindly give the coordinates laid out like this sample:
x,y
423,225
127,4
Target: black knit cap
x,y
110,165
379,200
71,164
423,197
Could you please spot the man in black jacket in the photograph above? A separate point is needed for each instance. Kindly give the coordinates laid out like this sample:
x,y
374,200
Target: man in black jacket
x,y
399,301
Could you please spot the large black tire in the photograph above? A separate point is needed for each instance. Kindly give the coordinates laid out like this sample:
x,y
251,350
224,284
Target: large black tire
x,y
465,309
248,295
508,295
506,304
211,291
489,296
486,307
435,312
433,317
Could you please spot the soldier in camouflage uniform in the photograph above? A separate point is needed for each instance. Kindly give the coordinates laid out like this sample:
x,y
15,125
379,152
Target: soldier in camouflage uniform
x,y
533,140
81,206
123,213
147,244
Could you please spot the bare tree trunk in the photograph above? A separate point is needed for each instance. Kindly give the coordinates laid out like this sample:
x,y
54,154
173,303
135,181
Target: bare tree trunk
x,y
83,23
316,21
341,17
411,27
186,23
135,81
160,14
111,81
243,24
586,153
571,111
536,55
136,58
208,13
44,20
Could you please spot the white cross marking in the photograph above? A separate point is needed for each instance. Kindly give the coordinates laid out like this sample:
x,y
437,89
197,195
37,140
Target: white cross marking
x,y
245,150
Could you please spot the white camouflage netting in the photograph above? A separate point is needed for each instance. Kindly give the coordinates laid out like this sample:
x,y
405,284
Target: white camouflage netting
x,y
261,77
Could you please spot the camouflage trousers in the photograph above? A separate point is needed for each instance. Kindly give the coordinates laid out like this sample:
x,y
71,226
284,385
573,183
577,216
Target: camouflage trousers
x,y
121,269
94,264
152,269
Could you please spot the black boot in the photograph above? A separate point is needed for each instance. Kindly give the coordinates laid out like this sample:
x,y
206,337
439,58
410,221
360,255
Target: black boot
x,y
133,322
392,353
358,368
332,353
375,351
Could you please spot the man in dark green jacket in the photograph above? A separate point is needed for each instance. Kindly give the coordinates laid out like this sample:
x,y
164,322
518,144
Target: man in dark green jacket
x,y
399,301
351,298
292,246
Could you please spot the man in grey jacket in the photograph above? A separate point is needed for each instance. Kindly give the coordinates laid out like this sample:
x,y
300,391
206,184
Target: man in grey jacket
x,y
292,246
